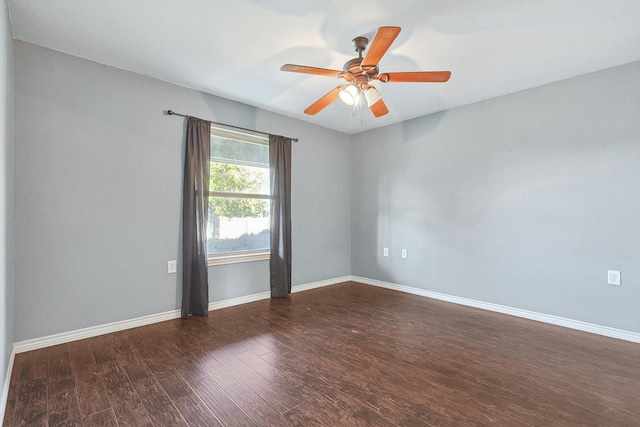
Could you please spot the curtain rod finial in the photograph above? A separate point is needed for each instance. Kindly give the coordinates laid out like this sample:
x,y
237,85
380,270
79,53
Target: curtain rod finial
x,y
169,112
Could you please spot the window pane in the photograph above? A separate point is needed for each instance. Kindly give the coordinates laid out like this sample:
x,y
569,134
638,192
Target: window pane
x,y
235,178
249,232
239,166
225,150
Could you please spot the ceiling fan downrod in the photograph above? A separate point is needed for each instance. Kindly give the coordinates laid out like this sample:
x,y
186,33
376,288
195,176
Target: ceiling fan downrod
x,y
360,43
355,74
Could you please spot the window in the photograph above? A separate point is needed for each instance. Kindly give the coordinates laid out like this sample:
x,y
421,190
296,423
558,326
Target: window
x,y
239,197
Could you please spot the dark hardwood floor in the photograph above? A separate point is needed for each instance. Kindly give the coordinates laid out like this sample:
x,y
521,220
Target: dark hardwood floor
x,y
343,355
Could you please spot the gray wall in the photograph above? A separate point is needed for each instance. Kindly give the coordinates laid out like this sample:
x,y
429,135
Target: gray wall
x,y
98,183
524,200
6,193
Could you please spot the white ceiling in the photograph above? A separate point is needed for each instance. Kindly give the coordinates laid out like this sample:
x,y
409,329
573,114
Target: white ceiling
x,y
234,48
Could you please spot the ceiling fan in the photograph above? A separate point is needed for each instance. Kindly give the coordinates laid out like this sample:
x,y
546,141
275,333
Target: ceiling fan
x,y
359,72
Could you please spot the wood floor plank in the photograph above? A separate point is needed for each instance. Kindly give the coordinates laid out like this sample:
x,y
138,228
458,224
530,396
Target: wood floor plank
x,y
128,358
105,418
343,355
33,364
32,415
59,373
102,350
158,404
63,409
192,408
261,411
157,359
280,394
93,396
125,401
134,417
216,370
82,362
32,391
224,408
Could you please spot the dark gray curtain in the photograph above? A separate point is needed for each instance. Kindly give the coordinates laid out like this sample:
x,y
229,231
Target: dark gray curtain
x,y
280,173
195,201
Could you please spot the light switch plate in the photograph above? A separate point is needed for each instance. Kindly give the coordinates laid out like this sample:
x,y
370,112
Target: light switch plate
x,y
613,277
404,253
385,252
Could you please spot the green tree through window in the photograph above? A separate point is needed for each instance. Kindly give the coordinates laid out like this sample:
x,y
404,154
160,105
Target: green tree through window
x,y
235,179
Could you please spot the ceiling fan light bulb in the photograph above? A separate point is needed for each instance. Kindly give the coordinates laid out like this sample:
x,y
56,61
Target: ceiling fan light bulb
x,y
372,96
346,97
349,95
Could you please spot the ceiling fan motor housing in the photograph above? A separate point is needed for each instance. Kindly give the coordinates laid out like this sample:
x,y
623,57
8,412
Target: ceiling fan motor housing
x,y
358,75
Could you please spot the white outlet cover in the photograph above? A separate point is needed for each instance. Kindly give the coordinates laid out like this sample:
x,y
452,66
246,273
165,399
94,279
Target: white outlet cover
x,y
171,266
404,253
385,252
613,277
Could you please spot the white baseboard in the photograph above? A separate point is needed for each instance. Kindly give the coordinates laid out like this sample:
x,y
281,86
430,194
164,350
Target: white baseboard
x,y
320,284
5,386
93,331
217,305
65,337
540,317
266,295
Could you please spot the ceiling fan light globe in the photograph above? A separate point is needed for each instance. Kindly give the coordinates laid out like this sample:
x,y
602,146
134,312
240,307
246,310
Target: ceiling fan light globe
x,y
372,96
349,95
346,97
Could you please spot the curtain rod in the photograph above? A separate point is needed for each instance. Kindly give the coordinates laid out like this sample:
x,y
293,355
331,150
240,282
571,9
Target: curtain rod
x,y
173,113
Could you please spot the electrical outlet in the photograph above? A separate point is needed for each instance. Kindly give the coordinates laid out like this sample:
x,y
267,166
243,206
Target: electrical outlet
x,y
171,266
404,253
385,252
613,277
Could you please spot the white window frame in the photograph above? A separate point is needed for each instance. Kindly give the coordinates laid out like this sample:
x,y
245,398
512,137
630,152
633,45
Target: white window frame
x,y
252,137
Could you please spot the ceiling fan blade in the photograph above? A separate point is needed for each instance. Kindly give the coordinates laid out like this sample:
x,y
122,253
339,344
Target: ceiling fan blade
x,y
379,108
415,77
311,70
323,102
379,46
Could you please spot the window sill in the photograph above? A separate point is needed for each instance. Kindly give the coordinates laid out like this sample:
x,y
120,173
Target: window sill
x,y
233,259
